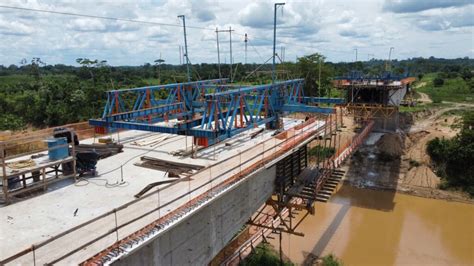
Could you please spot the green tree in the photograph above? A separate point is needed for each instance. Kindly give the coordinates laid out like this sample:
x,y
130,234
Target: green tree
x,y
438,82
466,73
454,157
158,63
310,68
91,66
11,122
331,260
263,255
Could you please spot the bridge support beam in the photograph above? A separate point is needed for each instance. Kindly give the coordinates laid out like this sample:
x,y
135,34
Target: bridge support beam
x,y
196,239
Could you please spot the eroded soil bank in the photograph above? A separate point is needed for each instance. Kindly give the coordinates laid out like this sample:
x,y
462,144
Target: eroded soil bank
x,y
375,218
398,161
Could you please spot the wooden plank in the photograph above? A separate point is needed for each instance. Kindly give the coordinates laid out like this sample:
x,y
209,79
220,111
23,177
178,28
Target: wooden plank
x,y
172,163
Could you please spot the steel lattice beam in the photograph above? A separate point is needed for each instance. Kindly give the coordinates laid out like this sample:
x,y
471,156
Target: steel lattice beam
x,y
207,109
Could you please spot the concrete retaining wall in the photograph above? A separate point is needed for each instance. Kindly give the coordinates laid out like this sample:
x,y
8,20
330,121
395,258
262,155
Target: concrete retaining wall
x,y
199,237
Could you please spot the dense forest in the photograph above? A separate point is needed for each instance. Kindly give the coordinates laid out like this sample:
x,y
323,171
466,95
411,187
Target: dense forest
x,y
37,94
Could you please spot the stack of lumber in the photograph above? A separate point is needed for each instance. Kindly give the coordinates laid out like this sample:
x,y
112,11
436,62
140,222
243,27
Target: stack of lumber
x,y
151,141
174,169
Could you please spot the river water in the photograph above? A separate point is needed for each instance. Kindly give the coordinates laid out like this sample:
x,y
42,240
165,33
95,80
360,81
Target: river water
x,y
368,227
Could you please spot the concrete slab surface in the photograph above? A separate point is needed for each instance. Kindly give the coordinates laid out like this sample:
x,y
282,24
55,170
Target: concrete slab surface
x,y
37,219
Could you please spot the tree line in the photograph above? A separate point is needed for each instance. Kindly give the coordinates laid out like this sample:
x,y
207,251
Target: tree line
x,y
38,94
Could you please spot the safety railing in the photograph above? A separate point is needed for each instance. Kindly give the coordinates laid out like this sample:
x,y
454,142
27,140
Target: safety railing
x,y
117,230
333,162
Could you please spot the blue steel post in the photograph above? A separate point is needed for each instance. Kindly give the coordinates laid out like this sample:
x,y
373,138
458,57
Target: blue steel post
x,y
185,46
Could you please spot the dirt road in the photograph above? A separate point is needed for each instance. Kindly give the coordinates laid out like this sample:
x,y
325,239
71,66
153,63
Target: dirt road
x,y
424,98
420,176
412,172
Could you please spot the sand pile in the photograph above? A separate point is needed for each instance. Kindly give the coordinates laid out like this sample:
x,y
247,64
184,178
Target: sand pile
x,y
390,146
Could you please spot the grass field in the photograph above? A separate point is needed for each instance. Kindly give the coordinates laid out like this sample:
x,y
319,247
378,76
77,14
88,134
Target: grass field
x,y
453,89
422,107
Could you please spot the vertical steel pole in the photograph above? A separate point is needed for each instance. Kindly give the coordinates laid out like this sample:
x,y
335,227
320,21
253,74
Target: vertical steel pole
x,y
281,248
218,53
274,38
231,61
185,46
274,41
246,40
388,65
4,172
319,79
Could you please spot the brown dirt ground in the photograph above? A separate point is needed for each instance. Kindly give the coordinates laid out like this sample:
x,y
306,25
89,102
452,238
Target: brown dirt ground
x,y
411,173
419,173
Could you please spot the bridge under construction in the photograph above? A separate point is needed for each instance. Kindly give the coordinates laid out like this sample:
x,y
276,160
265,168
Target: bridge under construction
x,y
177,171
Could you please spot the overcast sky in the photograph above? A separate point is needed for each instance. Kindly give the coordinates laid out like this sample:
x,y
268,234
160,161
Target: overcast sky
x,y
440,28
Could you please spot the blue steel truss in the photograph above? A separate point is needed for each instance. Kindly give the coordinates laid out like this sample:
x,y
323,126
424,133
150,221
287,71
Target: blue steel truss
x,y
385,76
209,110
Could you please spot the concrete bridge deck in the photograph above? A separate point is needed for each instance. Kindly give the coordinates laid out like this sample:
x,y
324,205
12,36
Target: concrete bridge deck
x,y
107,211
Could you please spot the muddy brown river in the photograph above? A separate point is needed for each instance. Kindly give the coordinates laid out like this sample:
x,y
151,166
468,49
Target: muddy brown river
x,y
368,227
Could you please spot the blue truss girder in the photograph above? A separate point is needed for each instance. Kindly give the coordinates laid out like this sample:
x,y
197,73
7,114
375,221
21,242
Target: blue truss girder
x,y
256,88
319,100
209,108
144,112
307,109
188,93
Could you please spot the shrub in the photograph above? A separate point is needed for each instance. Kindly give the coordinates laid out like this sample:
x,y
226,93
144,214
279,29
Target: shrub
x,y
453,158
414,163
11,122
263,255
438,82
331,260
323,152
438,149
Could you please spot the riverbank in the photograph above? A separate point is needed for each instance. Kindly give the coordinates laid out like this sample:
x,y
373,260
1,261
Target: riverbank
x,y
370,227
399,161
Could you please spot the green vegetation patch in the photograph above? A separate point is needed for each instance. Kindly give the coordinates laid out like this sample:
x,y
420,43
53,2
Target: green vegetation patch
x,y
322,152
331,260
458,112
263,255
422,107
457,87
453,157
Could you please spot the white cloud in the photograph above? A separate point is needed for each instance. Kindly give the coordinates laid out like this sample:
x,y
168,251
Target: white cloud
x,y
409,6
332,27
444,19
87,24
14,28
